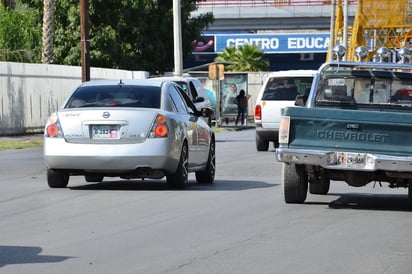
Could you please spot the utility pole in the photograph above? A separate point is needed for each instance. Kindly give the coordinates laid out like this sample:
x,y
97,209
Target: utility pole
x,y
177,34
84,39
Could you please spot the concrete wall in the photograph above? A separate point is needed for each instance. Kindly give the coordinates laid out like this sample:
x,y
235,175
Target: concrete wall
x,y
29,93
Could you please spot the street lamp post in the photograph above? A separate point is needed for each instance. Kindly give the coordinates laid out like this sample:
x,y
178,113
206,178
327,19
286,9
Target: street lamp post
x,y
177,33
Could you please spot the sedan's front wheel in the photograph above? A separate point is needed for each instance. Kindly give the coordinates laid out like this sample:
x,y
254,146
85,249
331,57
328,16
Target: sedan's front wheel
x,y
180,177
57,179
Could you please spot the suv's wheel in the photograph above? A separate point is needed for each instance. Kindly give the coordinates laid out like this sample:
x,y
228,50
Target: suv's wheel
x,y
180,177
261,145
295,183
57,179
319,186
207,176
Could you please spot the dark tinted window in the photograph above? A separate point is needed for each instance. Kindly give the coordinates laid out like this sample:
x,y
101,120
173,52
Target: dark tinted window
x,y
115,96
286,88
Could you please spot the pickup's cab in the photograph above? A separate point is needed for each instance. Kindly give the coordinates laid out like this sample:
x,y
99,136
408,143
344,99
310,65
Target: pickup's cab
x,y
355,126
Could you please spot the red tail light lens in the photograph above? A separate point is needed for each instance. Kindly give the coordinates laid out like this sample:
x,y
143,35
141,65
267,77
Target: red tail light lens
x,y
160,128
258,112
52,130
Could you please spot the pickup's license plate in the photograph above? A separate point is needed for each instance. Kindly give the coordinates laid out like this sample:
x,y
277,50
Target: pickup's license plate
x,y
105,132
350,159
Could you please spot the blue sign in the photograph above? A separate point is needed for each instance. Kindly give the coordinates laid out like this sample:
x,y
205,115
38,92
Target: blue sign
x,y
276,43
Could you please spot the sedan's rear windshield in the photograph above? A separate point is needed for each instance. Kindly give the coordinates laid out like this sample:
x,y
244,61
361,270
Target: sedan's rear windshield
x,y
115,96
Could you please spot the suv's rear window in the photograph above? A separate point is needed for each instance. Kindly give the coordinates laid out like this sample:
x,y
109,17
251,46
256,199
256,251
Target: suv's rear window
x,y
115,96
286,88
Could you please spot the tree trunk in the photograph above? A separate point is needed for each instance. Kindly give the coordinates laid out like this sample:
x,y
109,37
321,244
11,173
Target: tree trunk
x,y
48,31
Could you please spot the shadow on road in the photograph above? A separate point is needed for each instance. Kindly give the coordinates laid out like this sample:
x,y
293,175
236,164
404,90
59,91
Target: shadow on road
x,y
365,201
159,185
26,255
390,202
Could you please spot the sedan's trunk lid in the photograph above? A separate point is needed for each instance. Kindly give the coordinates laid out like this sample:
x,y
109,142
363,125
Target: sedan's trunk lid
x,y
99,125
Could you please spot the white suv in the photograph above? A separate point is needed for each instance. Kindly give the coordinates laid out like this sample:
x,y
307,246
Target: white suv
x,y
278,91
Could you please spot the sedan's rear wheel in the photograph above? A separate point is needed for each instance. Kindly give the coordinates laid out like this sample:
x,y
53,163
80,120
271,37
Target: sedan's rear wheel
x,y
57,179
207,176
180,177
295,183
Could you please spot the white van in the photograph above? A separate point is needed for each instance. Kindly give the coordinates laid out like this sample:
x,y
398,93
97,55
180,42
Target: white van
x,y
278,91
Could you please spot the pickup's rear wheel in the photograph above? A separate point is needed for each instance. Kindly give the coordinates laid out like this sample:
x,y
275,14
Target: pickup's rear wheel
x,y
295,183
320,186
261,145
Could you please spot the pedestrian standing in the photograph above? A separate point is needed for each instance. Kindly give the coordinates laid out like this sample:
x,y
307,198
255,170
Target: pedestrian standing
x,y
241,101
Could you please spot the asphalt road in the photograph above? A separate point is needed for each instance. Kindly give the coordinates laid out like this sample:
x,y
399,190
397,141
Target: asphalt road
x,y
238,225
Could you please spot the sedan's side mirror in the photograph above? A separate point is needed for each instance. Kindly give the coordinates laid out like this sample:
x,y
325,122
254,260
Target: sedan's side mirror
x,y
199,99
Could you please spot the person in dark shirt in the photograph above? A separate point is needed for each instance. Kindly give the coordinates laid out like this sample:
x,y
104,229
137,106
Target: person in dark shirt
x,y
241,101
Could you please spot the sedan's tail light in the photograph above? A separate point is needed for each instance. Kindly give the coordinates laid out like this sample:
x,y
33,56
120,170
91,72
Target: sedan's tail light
x,y
258,112
284,130
53,128
160,128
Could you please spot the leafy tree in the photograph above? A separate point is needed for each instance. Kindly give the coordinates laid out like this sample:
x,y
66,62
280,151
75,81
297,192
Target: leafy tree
x,y
124,34
244,58
20,34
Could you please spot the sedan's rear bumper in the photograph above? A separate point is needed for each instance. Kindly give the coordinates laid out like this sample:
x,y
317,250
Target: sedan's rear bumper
x,y
328,160
154,154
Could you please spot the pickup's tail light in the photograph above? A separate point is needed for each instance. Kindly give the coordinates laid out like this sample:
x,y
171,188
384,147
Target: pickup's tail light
x,y
258,112
159,128
284,130
53,128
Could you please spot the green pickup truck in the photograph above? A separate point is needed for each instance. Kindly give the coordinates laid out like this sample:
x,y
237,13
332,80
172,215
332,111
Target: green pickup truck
x,y
354,126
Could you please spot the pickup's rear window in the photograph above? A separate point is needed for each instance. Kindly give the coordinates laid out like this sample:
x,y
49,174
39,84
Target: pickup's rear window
x,y
373,90
286,88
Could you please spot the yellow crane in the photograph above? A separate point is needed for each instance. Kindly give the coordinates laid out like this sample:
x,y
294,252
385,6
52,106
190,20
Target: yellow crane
x,y
377,23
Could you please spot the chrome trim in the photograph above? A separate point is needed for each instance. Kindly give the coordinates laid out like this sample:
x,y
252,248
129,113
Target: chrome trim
x,y
319,158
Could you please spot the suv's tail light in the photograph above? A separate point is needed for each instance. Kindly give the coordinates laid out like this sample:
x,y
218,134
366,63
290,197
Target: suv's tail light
x,y
159,128
284,130
258,112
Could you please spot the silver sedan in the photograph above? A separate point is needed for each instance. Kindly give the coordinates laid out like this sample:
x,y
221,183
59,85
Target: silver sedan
x,y
129,129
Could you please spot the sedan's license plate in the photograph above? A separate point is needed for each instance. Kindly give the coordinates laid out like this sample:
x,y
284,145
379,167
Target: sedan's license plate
x,y
105,132
350,159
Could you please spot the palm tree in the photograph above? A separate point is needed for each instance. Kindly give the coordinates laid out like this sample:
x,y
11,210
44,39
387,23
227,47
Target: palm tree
x,y
244,58
48,31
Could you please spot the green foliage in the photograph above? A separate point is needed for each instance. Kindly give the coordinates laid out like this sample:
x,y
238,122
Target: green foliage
x,y
124,34
20,34
244,58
